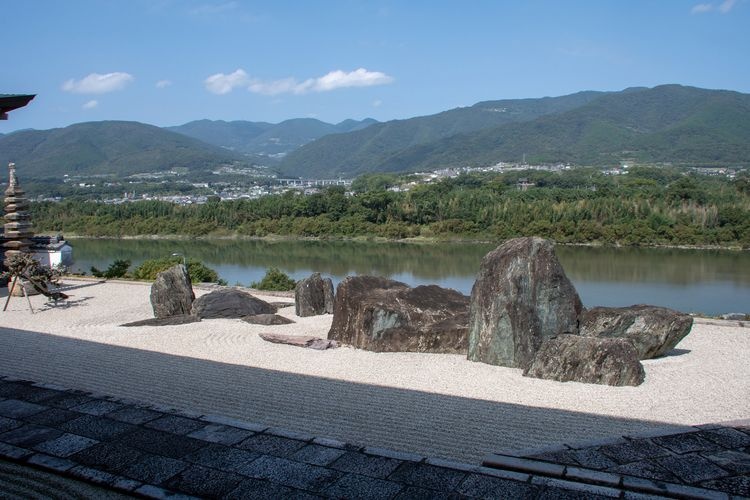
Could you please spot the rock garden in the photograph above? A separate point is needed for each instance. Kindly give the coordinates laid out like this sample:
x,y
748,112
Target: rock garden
x,y
523,313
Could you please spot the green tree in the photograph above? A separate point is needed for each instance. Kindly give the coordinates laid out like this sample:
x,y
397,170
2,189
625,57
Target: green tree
x,y
275,280
685,189
117,269
199,272
373,182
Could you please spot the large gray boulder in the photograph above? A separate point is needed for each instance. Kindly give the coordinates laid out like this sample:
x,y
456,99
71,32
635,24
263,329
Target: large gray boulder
x,y
589,360
654,331
378,314
172,292
313,296
521,297
230,303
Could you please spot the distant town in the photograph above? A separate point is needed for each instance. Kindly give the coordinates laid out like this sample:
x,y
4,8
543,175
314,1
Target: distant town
x,y
260,182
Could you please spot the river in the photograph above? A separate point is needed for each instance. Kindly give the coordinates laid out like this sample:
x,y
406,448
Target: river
x,y
701,281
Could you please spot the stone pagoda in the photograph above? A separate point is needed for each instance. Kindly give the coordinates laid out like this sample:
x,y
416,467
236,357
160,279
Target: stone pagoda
x,y
17,229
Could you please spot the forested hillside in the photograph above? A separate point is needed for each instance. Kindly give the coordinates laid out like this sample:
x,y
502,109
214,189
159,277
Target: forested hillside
x,y
110,147
666,124
370,150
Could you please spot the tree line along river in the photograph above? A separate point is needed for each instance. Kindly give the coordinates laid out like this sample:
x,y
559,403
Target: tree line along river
x,y
711,282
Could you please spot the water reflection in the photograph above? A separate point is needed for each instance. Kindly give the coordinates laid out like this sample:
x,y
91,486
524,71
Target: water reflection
x,y
336,258
655,265
710,281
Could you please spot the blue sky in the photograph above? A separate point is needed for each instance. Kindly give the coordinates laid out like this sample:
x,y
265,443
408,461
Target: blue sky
x,y
167,62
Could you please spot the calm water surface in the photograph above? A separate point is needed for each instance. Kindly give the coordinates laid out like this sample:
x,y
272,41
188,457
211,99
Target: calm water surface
x,y
707,281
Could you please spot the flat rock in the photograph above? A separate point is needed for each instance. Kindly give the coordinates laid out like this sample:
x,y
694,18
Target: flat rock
x,y
591,360
735,316
281,305
313,296
300,341
172,292
378,314
520,298
653,330
180,319
230,303
267,319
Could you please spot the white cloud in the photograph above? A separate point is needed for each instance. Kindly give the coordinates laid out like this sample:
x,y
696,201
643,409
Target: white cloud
x,y
98,84
726,6
223,84
723,7
357,78
701,8
284,86
161,84
91,104
377,103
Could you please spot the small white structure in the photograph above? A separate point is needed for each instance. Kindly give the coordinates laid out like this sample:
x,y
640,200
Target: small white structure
x,y
52,251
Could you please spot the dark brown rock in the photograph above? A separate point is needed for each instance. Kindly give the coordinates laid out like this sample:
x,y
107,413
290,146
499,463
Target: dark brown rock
x,y
300,341
230,303
654,331
591,360
172,292
267,319
378,314
521,297
180,319
313,296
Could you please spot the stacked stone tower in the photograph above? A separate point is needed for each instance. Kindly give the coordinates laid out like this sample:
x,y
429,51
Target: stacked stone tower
x,y
17,228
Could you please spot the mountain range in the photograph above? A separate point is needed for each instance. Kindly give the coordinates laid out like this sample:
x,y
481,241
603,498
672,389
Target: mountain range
x,y
371,149
669,123
264,138
110,147
665,124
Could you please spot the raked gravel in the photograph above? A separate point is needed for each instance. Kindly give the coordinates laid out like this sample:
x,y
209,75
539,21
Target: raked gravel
x,y
432,404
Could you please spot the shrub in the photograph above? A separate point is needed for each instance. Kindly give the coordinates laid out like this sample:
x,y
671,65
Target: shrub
x,y
24,265
275,280
117,269
198,271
